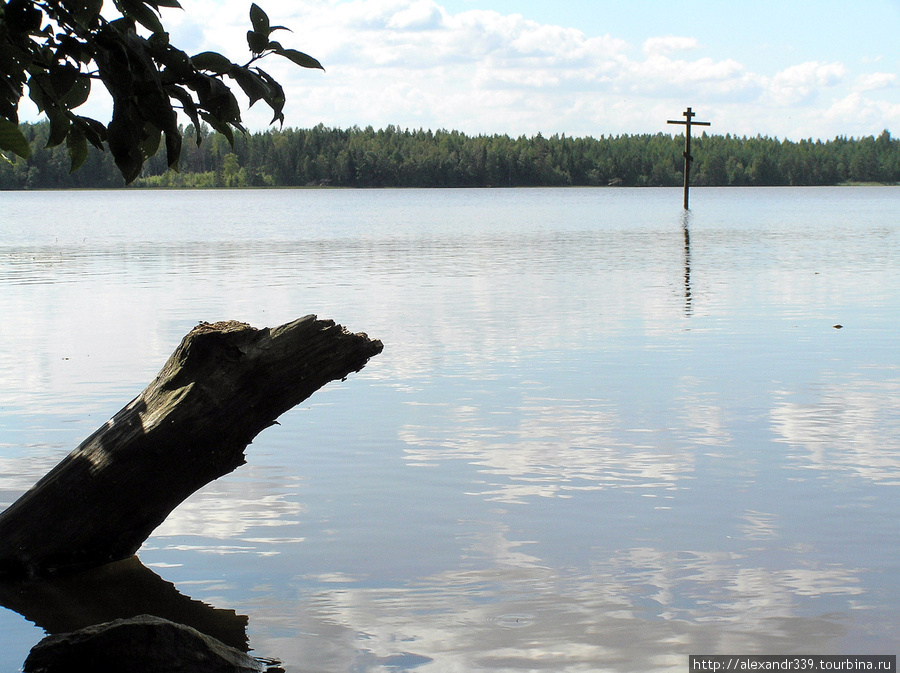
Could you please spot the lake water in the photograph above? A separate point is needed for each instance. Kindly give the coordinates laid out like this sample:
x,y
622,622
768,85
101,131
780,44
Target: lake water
x,y
603,434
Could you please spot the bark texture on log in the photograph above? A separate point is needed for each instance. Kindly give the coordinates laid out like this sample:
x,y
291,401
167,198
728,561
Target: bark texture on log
x,y
223,385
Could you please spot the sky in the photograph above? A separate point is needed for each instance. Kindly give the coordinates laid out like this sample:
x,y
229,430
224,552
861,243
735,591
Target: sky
x,y
790,69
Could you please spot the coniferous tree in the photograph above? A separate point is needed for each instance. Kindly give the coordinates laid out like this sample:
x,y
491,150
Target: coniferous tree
x,y
392,157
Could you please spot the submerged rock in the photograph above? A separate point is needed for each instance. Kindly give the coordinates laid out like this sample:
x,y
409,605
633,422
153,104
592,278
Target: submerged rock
x,y
143,644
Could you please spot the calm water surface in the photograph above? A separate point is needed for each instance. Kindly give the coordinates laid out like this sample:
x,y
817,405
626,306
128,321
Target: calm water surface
x,y
603,434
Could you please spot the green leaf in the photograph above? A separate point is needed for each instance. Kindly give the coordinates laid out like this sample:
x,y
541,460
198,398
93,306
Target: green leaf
x,y
85,12
257,41
298,57
22,17
62,79
150,140
123,141
94,131
217,99
219,126
76,143
156,108
78,94
12,80
276,97
36,92
158,40
260,20
178,65
173,150
187,105
69,47
212,61
122,25
140,12
12,140
59,126
252,84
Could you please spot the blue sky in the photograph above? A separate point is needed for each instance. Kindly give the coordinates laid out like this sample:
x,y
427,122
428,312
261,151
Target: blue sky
x,y
821,30
787,68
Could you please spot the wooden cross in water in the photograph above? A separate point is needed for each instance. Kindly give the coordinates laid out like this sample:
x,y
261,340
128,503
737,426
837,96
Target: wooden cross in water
x,y
687,147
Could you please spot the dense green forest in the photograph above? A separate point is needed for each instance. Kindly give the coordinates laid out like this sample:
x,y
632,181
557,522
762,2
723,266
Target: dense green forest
x,y
392,157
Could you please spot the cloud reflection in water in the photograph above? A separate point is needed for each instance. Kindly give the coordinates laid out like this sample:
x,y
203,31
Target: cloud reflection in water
x,y
250,511
851,426
551,449
640,609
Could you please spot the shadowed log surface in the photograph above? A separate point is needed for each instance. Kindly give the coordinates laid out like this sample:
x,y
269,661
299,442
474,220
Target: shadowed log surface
x,y
223,385
143,644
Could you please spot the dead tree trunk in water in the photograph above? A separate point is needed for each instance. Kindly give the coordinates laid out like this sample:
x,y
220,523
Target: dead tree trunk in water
x,y
223,385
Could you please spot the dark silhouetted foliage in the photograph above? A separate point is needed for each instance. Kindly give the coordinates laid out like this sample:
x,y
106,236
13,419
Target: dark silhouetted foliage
x,y
59,48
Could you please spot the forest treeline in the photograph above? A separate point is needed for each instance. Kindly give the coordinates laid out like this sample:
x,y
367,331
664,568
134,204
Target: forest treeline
x,y
392,157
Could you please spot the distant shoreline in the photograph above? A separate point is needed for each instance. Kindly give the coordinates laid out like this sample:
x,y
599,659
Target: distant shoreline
x,y
360,158
144,188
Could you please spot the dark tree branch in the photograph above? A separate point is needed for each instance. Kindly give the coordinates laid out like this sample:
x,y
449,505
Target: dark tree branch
x,y
52,46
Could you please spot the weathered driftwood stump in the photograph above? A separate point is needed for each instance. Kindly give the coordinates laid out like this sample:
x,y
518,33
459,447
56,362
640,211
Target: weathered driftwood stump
x,y
222,386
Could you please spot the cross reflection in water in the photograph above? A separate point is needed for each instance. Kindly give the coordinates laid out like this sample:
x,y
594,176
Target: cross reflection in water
x,y
685,226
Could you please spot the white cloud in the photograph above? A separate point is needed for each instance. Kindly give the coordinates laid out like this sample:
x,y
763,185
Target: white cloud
x,y
801,84
664,45
876,80
660,76
482,71
414,63
874,115
420,15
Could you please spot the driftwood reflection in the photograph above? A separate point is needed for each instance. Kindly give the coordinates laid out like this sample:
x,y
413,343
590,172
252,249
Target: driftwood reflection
x,y
116,591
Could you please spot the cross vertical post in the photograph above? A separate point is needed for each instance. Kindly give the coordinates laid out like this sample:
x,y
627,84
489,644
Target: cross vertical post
x,y
688,116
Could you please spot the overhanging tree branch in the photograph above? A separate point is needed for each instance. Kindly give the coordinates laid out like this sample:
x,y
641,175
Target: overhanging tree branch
x,y
56,48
